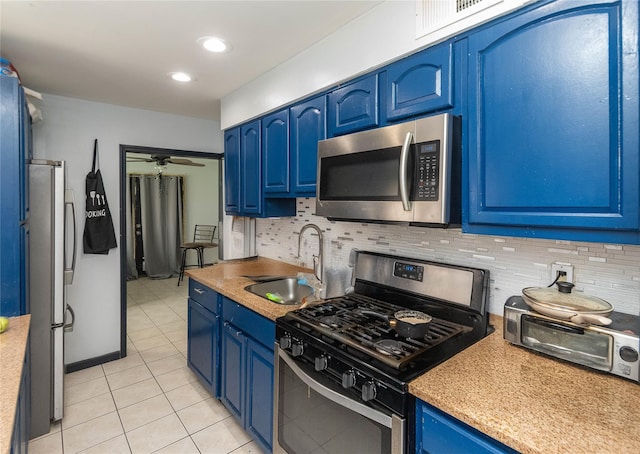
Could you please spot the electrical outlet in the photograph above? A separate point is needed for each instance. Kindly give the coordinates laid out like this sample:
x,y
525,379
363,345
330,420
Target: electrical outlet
x,y
564,269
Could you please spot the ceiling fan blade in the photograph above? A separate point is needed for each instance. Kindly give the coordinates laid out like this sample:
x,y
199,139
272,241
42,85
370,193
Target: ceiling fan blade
x,y
184,162
140,160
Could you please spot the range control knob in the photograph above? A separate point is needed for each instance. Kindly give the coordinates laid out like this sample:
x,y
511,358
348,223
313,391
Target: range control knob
x,y
321,362
297,348
285,342
348,379
369,391
629,354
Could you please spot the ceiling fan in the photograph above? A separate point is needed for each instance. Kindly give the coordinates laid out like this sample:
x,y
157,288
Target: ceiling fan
x,y
162,160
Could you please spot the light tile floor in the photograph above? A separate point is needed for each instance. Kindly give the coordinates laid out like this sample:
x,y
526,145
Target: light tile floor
x,y
150,401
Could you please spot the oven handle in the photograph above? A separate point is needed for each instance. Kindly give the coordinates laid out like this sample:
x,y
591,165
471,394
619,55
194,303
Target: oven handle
x,y
402,177
334,396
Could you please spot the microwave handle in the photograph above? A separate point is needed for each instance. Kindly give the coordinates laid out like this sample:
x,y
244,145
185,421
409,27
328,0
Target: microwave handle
x,y
402,173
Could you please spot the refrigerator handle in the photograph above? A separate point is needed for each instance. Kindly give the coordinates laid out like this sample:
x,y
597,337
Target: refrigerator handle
x,y
69,199
68,327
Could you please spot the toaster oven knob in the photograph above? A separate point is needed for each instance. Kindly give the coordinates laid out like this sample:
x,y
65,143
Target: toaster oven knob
x,y
348,379
297,348
369,391
321,363
285,342
629,354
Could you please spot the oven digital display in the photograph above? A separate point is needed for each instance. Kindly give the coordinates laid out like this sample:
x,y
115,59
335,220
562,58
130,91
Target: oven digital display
x,y
408,271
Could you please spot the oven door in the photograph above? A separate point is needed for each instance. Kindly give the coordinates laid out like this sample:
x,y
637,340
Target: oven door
x,y
312,414
580,345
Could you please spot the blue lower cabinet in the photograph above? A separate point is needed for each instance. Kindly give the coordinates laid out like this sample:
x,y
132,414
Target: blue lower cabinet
x,y
440,433
203,328
260,392
247,370
234,345
20,437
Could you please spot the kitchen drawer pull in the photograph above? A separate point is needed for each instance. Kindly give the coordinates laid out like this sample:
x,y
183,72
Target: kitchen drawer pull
x,y
199,291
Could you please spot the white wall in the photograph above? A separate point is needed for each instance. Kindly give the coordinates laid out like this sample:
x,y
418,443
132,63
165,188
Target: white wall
x,y
608,271
381,35
67,133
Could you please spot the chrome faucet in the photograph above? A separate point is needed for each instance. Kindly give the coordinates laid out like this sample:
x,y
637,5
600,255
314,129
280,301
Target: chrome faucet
x,y
319,257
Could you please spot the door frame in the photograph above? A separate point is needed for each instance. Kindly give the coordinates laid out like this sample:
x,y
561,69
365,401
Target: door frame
x,y
124,149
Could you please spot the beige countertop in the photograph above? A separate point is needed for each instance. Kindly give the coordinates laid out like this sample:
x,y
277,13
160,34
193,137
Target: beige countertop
x,y
533,403
226,278
13,345
527,401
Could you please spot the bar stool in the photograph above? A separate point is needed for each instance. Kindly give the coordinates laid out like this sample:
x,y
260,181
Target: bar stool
x,y
202,239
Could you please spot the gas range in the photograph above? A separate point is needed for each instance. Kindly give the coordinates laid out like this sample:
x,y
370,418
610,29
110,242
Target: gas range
x,y
346,323
362,354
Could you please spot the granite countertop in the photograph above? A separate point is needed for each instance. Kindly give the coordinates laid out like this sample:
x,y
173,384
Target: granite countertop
x,y
530,402
226,277
13,345
533,403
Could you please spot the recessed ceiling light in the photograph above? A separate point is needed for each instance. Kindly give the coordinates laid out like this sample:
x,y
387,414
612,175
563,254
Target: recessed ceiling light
x,y
180,77
213,44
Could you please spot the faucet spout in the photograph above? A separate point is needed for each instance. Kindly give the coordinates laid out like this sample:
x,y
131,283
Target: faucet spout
x,y
320,266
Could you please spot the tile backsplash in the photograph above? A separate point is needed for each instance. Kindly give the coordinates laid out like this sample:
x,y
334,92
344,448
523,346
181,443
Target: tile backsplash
x,y
608,271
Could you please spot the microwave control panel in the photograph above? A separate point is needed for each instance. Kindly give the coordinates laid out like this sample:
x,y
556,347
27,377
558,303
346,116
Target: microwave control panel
x,y
427,171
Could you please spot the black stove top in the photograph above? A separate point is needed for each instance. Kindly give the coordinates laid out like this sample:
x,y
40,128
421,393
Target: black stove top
x,y
349,320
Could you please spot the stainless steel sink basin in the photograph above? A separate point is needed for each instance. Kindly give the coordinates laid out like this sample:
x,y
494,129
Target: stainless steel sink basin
x,y
281,291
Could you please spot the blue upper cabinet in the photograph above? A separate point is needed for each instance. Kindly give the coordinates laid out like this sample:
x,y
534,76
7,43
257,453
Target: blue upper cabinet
x,y
419,84
308,126
244,194
553,124
275,152
251,165
353,107
232,175
15,154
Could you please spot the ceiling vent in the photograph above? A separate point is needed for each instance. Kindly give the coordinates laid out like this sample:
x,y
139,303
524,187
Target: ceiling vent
x,y
441,19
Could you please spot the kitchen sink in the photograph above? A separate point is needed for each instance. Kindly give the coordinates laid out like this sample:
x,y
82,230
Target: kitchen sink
x,y
281,291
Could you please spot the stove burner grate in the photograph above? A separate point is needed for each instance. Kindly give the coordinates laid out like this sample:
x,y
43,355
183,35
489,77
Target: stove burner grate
x,y
342,320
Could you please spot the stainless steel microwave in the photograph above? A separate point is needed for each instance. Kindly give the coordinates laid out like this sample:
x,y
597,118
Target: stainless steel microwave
x,y
405,173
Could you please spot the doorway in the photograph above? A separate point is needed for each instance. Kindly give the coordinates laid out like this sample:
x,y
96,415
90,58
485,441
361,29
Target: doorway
x,y
198,194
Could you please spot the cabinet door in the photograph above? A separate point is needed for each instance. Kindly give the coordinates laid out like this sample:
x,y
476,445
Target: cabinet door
x,y
419,84
202,344
232,171
14,152
353,107
553,124
308,126
275,152
251,165
233,370
259,418
439,433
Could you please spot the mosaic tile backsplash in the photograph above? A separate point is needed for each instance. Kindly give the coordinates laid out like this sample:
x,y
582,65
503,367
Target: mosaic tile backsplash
x,y
608,271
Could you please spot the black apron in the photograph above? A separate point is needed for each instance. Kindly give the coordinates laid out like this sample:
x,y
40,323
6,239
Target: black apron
x,y
99,235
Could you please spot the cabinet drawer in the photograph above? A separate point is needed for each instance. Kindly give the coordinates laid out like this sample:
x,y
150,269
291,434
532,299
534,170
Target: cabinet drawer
x,y
260,328
204,295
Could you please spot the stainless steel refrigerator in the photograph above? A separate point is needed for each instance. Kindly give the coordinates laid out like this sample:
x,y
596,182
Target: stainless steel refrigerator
x,y
52,252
